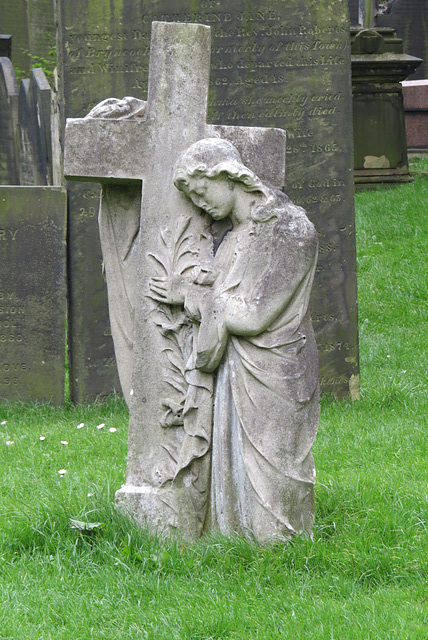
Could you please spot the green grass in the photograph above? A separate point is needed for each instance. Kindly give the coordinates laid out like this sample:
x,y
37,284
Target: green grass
x,y
364,576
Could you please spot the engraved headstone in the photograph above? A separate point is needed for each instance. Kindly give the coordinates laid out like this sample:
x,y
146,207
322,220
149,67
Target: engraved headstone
x,y
224,355
8,123
34,126
282,64
32,293
409,18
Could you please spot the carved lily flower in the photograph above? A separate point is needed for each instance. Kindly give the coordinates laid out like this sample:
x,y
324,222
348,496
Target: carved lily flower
x,y
173,417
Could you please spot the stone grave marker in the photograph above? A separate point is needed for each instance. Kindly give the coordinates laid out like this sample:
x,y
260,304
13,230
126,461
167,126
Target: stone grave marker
x,y
409,18
34,126
8,123
5,46
415,96
14,21
171,407
280,64
32,26
32,293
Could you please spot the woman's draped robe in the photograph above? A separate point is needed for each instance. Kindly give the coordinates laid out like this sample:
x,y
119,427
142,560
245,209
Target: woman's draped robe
x,y
256,332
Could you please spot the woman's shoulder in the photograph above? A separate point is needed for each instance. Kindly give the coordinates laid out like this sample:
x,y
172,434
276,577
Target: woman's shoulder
x,y
286,217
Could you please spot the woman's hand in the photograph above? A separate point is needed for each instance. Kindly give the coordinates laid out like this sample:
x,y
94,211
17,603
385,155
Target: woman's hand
x,y
166,290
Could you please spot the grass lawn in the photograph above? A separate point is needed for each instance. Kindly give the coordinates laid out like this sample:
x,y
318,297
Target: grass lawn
x,y
364,576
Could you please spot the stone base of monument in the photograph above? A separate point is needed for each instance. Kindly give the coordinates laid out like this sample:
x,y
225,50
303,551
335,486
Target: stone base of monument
x,y
378,68
163,510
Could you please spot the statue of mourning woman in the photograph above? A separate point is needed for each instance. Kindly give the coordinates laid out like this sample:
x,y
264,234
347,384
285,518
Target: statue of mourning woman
x,y
250,405
253,335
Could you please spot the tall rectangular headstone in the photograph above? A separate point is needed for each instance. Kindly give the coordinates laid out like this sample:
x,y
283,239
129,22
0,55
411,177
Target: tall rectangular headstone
x,y
283,64
32,293
8,123
14,21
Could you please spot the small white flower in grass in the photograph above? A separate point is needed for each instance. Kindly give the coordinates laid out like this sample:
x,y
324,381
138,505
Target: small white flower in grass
x,y
89,495
4,422
42,438
62,472
10,442
112,429
64,442
81,425
388,356
101,426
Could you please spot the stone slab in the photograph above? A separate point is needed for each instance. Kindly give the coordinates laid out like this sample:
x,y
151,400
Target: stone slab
x,y
8,123
5,46
415,96
280,64
410,20
34,125
32,293
14,21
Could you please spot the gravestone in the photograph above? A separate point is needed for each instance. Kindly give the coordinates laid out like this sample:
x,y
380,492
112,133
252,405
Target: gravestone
x,y
8,123
5,46
32,26
415,97
283,64
169,482
32,293
14,21
34,126
409,18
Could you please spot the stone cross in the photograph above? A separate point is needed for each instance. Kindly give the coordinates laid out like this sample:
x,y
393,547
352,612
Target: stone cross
x,y
131,151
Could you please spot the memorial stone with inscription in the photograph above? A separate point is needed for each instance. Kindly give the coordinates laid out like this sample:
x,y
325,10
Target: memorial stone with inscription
x,y
279,64
32,293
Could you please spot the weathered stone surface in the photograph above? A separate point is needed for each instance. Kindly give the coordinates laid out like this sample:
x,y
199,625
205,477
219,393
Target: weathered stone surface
x,y
282,64
415,97
224,356
409,18
32,25
8,123
34,126
378,66
92,38
32,293
14,21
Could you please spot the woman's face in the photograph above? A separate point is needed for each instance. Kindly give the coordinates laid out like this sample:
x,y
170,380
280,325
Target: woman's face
x,y
216,197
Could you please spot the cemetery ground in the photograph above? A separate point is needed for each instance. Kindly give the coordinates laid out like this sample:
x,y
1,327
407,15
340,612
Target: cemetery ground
x,y
364,575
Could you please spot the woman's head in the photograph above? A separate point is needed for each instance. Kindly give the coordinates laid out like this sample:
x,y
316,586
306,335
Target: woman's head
x,y
215,158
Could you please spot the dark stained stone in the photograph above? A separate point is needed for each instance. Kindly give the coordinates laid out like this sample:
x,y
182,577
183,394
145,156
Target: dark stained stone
x,y
32,293
283,64
14,21
8,123
5,46
34,125
409,18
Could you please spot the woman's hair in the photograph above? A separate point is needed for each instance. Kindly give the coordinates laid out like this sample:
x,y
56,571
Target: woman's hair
x,y
216,158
